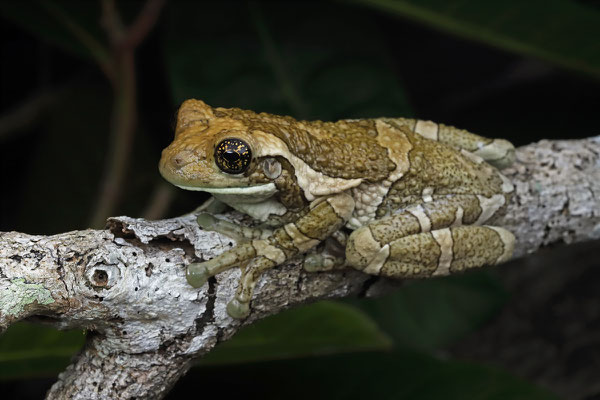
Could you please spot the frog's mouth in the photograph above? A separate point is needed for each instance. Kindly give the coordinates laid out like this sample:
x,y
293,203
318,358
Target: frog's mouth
x,y
250,194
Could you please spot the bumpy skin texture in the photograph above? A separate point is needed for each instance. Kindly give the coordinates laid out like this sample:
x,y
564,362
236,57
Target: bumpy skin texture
x,y
399,197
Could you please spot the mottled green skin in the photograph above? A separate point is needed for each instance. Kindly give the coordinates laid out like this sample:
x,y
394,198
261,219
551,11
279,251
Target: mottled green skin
x,y
404,198
443,168
344,149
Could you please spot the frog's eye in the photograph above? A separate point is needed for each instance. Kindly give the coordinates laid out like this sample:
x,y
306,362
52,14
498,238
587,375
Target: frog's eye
x,y
233,156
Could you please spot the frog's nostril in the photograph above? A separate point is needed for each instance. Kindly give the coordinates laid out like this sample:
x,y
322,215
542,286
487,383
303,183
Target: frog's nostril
x,y
178,160
182,159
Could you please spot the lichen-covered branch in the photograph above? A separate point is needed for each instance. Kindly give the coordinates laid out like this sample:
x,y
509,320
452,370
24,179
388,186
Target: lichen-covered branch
x,y
127,285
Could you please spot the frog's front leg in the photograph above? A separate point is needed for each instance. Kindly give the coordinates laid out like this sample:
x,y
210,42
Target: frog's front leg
x,y
431,239
212,205
325,216
240,233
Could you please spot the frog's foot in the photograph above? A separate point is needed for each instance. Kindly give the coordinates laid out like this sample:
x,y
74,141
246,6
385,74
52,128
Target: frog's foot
x,y
497,152
198,273
323,261
329,256
239,233
239,306
238,310
207,222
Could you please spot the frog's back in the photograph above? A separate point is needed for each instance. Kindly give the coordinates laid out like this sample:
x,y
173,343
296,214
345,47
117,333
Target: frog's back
x,y
346,149
436,169
427,168
404,156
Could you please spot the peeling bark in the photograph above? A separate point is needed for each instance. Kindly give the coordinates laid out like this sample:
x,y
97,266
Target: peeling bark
x,y
127,286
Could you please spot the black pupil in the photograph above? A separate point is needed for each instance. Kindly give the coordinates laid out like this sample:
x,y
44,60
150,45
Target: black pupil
x,y
233,156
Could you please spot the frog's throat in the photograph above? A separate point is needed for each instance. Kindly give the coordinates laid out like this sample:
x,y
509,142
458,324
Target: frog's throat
x,y
258,192
255,201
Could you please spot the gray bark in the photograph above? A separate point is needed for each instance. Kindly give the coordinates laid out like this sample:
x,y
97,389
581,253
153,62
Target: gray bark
x,y
127,286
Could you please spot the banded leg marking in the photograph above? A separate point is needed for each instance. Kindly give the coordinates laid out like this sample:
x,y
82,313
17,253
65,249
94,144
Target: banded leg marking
x,y
442,212
441,252
443,237
414,251
498,152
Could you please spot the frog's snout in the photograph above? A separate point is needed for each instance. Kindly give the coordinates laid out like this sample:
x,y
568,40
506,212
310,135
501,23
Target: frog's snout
x,y
176,164
174,161
182,158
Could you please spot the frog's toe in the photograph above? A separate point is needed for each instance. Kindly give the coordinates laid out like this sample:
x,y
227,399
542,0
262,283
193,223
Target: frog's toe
x,y
312,262
319,262
237,309
197,274
207,222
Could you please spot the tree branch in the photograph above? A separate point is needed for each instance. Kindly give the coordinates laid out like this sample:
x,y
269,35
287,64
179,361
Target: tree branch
x,y
127,284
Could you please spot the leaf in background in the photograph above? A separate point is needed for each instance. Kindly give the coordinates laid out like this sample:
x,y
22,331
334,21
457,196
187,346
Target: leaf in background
x,y
563,32
72,25
381,376
432,313
28,350
321,328
310,60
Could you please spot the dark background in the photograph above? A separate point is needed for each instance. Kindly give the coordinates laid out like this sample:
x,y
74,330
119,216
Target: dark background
x,y
483,335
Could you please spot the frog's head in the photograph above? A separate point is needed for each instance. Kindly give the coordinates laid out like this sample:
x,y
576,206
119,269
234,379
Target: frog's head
x,y
215,153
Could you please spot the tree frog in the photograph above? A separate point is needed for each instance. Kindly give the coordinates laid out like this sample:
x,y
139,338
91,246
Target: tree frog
x,y
395,197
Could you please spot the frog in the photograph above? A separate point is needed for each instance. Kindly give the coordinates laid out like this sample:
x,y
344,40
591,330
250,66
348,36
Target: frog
x,y
398,198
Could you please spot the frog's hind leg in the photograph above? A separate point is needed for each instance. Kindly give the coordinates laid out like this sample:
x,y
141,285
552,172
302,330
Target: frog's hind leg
x,y
436,253
433,238
498,152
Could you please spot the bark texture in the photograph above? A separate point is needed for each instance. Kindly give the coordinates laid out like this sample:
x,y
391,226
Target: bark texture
x,y
127,286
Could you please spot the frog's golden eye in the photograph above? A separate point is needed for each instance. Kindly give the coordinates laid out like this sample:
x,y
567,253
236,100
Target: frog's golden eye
x,y
233,156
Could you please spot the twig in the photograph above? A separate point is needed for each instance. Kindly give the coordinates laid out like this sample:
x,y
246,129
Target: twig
x,y
96,49
159,201
26,113
124,114
123,124
144,22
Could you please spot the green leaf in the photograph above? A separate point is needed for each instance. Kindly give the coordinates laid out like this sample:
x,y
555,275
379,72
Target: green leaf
x,y
563,32
432,313
28,350
321,328
325,62
395,375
